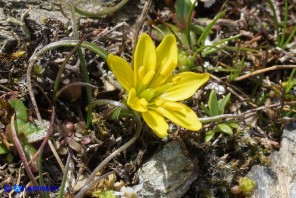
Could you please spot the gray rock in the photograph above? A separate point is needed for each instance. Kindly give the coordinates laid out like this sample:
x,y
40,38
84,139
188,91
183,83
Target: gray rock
x,y
168,173
12,10
279,179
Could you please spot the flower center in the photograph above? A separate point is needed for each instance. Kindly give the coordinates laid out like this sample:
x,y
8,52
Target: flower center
x,y
147,94
140,102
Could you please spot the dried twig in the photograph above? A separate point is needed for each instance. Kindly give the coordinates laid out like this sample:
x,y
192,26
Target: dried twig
x,y
232,89
275,67
140,23
242,115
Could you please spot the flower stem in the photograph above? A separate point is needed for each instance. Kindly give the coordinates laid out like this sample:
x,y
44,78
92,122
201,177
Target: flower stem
x,y
83,65
91,179
65,43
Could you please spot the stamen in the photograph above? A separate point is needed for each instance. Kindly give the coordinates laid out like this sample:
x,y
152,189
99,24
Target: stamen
x,y
167,68
136,103
148,77
141,72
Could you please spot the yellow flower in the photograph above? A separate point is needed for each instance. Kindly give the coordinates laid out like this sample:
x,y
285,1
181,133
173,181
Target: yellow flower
x,y
152,88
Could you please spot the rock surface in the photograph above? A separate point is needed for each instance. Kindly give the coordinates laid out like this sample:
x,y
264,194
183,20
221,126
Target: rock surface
x,y
11,12
168,173
279,179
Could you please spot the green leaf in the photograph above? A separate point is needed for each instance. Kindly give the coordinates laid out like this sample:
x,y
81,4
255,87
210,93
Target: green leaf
x,y
291,81
118,112
35,131
20,109
205,109
104,194
30,151
38,70
225,128
114,115
233,124
222,103
3,149
209,135
247,185
182,8
184,40
291,36
28,132
208,29
213,104
197,29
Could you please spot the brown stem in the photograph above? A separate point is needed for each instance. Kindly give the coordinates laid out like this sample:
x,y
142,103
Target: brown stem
x,y
275,67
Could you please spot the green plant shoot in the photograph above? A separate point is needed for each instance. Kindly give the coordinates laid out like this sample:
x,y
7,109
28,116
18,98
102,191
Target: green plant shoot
x,y
217,107
27,132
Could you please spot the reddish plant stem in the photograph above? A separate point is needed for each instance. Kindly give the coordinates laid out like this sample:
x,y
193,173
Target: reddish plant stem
x,y
21,152
49,131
